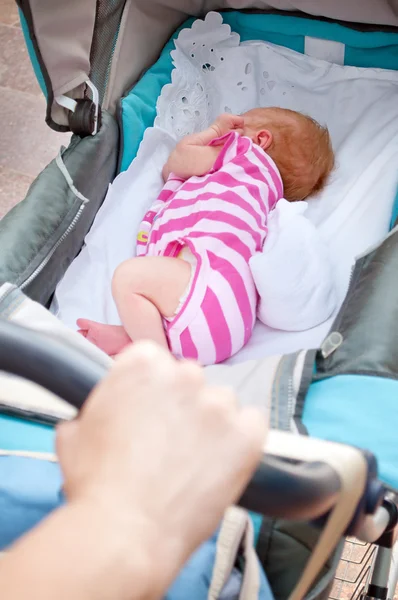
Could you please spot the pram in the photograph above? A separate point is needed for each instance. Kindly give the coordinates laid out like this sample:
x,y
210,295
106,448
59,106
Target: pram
x,y
331,393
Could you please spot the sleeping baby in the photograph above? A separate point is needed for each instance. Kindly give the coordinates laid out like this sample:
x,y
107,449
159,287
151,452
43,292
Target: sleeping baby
x,y
190,288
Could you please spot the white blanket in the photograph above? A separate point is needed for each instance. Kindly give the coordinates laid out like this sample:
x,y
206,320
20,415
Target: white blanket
x,y
215,73
293,273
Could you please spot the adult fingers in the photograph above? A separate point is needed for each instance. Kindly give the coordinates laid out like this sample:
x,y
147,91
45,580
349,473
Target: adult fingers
x,y
141,364
220,402
249,438
252,426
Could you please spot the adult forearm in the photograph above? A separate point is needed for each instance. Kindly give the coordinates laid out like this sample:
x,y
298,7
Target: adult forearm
x,y
81,552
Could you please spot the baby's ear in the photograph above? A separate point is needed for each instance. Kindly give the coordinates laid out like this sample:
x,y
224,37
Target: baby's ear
x,y
264,138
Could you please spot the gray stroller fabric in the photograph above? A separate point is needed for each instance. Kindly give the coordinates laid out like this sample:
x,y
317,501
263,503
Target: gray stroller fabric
x,y
64,33
61,35
284,548
41,236
363,339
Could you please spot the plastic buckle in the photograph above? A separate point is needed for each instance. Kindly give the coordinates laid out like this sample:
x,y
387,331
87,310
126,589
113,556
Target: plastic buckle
x,y
84,114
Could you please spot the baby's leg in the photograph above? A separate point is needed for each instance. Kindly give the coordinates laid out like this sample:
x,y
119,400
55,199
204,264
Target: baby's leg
x,y
146,289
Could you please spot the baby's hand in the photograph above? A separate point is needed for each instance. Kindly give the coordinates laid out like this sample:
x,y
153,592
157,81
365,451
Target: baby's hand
x,y
226,123
193,156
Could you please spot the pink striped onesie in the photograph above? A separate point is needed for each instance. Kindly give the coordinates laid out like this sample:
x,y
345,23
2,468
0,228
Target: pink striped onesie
x,y
222,218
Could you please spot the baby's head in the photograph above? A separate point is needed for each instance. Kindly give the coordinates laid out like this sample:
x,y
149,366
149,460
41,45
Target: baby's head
x,y
300,147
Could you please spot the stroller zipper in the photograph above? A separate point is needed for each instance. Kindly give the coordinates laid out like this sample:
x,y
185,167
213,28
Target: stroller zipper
x,y
62,167
45,261
7,291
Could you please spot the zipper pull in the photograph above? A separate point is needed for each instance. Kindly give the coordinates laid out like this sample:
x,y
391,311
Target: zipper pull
x,y
332,342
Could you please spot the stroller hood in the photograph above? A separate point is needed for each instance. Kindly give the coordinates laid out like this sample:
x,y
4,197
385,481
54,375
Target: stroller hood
x,y
111,42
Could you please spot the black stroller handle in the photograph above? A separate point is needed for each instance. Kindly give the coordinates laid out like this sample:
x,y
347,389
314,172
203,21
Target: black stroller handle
x,y
278,488
56,366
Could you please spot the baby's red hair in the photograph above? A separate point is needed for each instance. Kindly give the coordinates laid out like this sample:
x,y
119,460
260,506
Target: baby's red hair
x,y
300,147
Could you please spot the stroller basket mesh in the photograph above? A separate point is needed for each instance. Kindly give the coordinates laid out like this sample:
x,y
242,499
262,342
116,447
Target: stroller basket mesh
x,y
106,29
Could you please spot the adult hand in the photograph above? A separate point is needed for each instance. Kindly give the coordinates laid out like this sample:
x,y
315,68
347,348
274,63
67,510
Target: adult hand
x,y
162,450
227,122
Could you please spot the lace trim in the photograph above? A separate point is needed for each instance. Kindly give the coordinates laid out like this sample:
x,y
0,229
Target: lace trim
x,y
189,103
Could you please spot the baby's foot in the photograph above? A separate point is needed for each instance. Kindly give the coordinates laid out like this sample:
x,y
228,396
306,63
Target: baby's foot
x,y
112,339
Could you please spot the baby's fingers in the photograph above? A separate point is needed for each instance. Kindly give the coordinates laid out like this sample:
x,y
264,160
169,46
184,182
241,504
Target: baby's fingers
x,y
237,122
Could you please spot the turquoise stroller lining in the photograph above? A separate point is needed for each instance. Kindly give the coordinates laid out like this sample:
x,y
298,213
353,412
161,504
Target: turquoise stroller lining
x,y
350,409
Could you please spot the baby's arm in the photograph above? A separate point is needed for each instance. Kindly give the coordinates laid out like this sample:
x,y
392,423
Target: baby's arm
x,y
193,155
189,159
